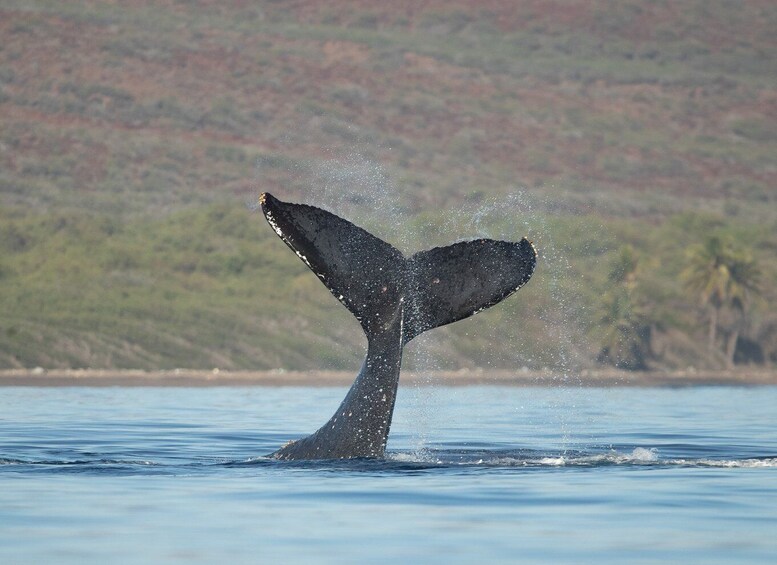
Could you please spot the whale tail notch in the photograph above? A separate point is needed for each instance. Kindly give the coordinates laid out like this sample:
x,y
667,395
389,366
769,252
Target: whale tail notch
x,y
378,285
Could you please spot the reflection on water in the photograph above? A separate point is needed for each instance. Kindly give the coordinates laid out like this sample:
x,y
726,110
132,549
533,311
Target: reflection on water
x,y
491,473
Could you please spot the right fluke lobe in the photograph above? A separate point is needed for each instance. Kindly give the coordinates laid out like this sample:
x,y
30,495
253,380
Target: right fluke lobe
x,y
451,283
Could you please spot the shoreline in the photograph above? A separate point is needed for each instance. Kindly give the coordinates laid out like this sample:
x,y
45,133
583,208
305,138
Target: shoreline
x,y
208,378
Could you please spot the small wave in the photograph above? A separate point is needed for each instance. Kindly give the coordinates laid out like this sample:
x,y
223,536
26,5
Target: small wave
x,y
639,456
735,463
424,456
257,460
525,459
596,460
77,462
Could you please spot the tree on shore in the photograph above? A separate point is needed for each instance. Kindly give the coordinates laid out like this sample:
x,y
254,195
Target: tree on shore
x,y
723,278
624,333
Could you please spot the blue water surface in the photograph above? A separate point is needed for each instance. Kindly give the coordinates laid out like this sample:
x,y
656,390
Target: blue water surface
x,y
473,474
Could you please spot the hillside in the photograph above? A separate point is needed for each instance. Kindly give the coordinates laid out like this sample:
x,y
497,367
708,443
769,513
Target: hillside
x,y
136,136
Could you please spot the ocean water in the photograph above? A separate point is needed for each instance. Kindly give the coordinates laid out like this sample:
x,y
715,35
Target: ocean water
x,y
473,474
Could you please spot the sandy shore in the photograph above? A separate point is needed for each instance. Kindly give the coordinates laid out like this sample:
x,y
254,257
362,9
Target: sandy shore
x,y
198,378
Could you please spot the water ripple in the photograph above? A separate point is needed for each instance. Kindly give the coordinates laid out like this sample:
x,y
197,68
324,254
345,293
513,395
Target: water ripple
x,y
401,461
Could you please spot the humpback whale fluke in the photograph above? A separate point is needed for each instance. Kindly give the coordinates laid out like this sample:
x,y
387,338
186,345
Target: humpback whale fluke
x,y
395,299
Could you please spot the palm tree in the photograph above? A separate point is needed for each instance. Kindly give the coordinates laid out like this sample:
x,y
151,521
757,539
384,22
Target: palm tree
x,y
623,269
745,277
624,333
721,276
707,276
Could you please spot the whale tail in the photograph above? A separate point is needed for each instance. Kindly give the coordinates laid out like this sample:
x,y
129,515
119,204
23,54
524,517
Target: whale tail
x,y
381,287
395,299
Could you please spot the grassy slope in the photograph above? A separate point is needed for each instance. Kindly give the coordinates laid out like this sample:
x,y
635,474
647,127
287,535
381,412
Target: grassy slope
x,y
131,135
